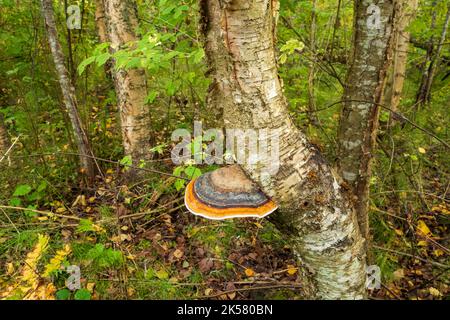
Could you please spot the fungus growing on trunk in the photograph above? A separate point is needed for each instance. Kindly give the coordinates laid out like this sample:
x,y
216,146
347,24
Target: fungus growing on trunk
x,y
227,193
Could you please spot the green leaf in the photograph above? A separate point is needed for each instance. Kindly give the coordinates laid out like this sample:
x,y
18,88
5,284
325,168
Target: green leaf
x,y
82,294
178,171
42,186
151,96
179,184
30,213
171,88
126,161
162,274
15,202
198,55
82,66
22,190
192,172
101,59
63,294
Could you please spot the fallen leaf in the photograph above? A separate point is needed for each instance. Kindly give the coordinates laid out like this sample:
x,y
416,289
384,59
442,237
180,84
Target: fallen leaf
x,y
438,252
178,253
208,291
398,274
423,228
291,270
130,291
90,286
230,287
422,150
249,272
435,292
9,268
205,265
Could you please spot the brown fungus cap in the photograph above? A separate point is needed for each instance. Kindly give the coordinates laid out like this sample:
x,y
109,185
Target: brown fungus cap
x,y
227,193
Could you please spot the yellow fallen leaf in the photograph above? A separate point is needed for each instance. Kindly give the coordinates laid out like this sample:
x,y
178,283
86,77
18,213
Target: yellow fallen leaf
x,y
422,150
61,210
423,228
90,286
438,252
208,291
259,225
9,268
291,270
398,274
435,292
422,243
178,253
231,295
130,291
249,272
398,232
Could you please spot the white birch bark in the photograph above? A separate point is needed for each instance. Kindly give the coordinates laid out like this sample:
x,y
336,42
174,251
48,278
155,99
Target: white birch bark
x,y
372,45
314,213
68,91
131,85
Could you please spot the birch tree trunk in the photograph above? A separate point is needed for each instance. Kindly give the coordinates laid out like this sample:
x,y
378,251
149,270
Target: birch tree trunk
x,y
314,212
405,12
363,93
100,22
68,91
102,32
131,85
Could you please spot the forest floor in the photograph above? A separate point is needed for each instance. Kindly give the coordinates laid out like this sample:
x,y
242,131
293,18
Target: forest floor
x,y
140,242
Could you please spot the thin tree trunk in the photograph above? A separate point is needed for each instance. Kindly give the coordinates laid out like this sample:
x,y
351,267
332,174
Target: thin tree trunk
x,y
68,91
422,93
405,12
311,71
131,86
435,61
102,32
362,95
314,213
70,63
4,140
100,21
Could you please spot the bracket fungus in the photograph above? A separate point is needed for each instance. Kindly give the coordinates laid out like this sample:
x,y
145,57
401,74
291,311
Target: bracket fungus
x,y
227,193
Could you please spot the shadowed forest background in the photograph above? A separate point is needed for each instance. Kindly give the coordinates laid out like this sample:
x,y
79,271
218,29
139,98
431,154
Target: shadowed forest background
x,y
121,217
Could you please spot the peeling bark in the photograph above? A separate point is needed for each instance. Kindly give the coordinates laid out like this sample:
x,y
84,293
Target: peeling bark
x,y
131,85
365,82
68,91
314,213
